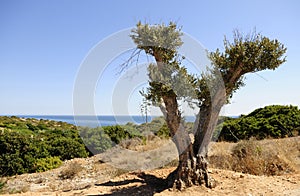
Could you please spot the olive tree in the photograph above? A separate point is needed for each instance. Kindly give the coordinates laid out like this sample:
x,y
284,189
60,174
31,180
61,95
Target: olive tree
x,y
169,79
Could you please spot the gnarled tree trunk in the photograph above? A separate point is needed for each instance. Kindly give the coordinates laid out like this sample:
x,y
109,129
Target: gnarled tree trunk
x,y
192,168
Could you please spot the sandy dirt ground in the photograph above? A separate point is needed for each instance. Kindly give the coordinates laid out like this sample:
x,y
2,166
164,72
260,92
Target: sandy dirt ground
x,y
91,176
152,183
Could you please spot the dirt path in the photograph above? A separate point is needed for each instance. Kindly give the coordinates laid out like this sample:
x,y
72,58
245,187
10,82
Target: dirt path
x,y
151,183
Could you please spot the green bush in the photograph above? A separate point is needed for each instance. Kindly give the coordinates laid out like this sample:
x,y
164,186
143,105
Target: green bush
x,y
269,122
117,133
44,164
17,153
100,139
95,140
32,127
67,148
163,132
25,148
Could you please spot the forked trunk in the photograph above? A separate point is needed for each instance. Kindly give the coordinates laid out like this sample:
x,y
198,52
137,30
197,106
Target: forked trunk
x,y
192,168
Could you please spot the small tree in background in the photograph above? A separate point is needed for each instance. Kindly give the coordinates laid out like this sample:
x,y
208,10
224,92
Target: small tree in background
x,y
145,106
169,82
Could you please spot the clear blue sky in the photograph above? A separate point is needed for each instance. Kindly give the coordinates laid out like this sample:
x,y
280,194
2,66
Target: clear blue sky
x,y
43,42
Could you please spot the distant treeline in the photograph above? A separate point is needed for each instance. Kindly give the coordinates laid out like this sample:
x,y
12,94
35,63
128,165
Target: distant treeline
x,y
31,145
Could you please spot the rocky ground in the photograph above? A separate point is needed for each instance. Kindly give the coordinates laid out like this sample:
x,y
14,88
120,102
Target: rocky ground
x,y
93,176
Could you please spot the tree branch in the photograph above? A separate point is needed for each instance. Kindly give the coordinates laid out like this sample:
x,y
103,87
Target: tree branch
x,y
135,54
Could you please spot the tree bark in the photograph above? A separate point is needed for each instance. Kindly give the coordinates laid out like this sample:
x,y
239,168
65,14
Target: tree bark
x,y
207,120
191,170
207,117
173,118
192,167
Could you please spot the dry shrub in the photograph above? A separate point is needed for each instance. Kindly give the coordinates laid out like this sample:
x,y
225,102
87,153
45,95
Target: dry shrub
x,y
221,161
141,145
131,144
71,171
253,157
118,172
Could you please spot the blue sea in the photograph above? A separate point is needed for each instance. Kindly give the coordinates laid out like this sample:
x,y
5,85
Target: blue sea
x,y
95,121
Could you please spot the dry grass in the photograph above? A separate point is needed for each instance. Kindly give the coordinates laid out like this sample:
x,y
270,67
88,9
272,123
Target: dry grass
x,y
136,144
71,171
253,158
266,157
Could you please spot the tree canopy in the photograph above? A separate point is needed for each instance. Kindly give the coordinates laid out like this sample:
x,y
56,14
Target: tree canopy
x,y
246,54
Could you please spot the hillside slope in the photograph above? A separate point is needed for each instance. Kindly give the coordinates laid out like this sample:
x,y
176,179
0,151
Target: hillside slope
x,y
91,176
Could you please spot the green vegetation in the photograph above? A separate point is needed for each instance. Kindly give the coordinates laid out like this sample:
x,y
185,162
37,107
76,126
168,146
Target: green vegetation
x,y
44,164
2,184
95,139
269,122
100,139
163,132
31,145
118,133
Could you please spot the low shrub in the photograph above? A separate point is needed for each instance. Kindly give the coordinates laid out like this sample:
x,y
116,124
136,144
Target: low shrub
x,y
71,171
273,121
163,132
44,164
131,144
250,156
118,133
95,140
67,148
